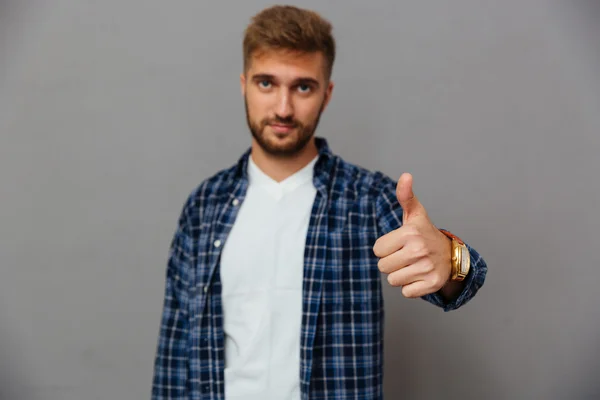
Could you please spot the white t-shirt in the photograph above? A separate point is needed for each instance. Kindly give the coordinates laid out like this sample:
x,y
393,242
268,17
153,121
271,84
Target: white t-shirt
x,y
262,267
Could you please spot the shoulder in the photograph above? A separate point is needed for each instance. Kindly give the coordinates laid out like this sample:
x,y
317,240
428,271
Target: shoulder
x,y
361,181
207,191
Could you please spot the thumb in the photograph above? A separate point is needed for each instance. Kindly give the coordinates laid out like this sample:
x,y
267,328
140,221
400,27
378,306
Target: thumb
x,y
406,197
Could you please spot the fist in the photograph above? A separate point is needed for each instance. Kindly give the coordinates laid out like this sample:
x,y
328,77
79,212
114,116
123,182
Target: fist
x,y
416,256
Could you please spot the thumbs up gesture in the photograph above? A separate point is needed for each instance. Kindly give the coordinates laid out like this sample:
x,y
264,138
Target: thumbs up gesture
x,y
416,256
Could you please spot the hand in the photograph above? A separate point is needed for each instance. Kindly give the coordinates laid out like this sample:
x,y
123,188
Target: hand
x,y
417,256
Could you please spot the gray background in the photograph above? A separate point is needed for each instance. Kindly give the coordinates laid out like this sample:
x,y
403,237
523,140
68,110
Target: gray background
x,y
112,111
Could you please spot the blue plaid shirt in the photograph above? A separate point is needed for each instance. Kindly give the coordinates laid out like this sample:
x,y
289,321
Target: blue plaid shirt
x,y
341,343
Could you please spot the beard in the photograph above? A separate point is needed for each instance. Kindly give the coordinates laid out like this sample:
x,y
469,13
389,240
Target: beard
x,y
303,133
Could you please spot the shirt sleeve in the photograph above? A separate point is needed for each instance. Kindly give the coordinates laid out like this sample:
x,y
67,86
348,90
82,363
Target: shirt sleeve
x,y
389,217
170,377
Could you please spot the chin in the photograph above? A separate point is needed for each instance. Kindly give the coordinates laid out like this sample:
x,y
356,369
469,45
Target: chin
x,y
284,140
280,144
285,147
282,149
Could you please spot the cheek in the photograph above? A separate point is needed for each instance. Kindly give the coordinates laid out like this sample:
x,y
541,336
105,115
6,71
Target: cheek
x,y
258,104
256,112
307,112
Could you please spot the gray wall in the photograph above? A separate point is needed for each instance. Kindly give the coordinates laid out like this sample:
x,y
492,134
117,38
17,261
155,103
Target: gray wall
x,y
112,111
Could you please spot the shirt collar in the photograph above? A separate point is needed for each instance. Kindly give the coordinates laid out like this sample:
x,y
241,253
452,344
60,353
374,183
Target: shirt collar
x,y
322,169
278,189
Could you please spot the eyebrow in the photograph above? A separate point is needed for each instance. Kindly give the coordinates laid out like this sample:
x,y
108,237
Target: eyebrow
x,y
297,81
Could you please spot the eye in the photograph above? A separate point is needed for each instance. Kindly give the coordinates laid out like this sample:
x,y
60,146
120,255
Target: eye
x,y
304,88
264,84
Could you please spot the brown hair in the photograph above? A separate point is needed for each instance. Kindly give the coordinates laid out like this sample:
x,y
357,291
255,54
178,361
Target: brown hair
x,y
289,28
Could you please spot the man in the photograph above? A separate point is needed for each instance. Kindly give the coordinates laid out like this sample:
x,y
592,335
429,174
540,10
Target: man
x,y
273,286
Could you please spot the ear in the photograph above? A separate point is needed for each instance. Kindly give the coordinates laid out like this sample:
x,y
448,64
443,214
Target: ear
x,y
328,93
243,83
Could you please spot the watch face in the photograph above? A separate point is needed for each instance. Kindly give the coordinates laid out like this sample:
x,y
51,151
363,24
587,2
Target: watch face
x,y
464,265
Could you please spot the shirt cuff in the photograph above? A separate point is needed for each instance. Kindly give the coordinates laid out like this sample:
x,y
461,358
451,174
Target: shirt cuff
x,y
472,282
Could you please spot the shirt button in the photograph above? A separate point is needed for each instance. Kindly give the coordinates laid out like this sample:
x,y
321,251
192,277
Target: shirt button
x,y
236,202
217,243
205,288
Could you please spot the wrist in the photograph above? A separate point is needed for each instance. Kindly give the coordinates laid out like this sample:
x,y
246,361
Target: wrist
x,y
460,258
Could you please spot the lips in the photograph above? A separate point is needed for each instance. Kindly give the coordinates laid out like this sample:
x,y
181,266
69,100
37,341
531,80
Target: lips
x,y
279,128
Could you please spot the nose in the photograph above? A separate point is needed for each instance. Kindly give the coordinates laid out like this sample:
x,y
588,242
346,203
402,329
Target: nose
x,y
284,108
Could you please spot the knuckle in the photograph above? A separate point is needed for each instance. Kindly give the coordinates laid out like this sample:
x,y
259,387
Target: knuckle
x,y
407,292
379,247
392,280
376,248
420,248
428,266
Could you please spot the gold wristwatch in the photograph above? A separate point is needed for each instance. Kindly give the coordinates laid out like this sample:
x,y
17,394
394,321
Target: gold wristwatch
x,y
461,259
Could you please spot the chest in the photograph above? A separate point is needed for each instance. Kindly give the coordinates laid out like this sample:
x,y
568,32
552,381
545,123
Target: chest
x,y
332,239
265,246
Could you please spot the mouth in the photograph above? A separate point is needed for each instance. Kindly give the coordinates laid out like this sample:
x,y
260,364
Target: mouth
x,y
281,128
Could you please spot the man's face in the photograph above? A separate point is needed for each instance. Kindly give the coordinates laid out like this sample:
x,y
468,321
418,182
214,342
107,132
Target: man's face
x,y
285,94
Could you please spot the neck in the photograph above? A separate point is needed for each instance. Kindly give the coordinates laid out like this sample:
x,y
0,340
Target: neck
x,y
279,168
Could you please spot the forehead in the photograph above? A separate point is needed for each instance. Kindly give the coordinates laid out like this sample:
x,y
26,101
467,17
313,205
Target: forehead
x,y
287,64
